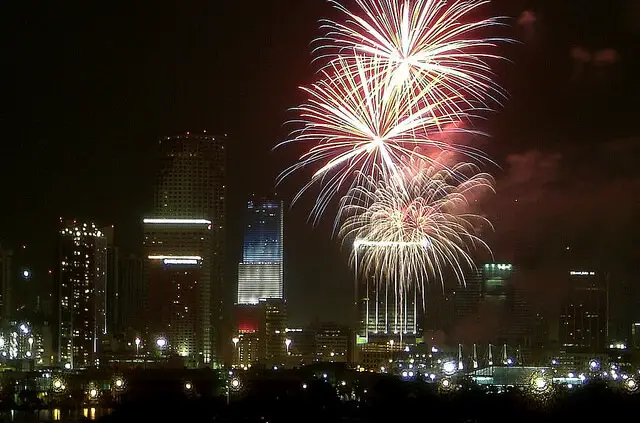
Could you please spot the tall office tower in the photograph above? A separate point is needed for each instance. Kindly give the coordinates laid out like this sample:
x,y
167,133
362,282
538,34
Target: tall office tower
x,y
505,294
621,306
274,335
130,295
81,294
260,275
583,316
190,220
439,314
5,283
386,315
177,271
467,299
491,291
112,282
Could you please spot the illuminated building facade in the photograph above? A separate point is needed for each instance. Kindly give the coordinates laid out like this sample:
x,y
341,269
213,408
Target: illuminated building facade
x,y
635,335
247,343
81,294
22,341
386,315
261,273
583,317
191,188
261,333
177,271
331,343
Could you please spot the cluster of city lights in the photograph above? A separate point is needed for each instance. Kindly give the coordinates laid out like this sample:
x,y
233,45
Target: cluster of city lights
x,y
542,381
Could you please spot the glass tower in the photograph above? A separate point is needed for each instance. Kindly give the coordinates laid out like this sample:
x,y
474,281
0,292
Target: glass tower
x,y
260,275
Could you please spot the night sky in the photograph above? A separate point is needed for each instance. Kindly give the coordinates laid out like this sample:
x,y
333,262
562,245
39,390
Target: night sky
x,y
90,87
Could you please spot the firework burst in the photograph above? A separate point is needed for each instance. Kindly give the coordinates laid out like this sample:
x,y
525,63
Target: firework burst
x,y
360,127
435,50
407,232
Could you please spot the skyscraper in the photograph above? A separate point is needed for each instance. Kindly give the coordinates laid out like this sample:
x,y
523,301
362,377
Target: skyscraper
x,y
491,308
187,231
261,273
112,282
5,282
178,274
130,294
583,317
81,294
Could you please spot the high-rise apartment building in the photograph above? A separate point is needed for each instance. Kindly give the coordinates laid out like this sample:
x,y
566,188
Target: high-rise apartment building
x,y
81,294
261,273
583,316
5,282
184,245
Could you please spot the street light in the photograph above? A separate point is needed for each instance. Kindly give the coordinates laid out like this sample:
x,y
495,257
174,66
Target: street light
x,y
287,343
161,342
93,393
235,341
137,342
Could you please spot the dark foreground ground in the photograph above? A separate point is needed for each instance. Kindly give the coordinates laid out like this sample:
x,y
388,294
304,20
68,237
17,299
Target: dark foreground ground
x,y
387,401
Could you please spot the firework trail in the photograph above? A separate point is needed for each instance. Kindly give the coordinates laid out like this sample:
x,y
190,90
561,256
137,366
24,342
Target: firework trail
x,y
360,127
408,232
435,50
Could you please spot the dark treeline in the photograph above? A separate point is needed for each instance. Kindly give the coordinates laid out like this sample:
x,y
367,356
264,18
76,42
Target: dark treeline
x,y
388,400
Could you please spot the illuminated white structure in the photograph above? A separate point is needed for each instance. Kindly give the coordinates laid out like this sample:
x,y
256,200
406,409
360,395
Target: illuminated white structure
x,y
258,281
260,275
81,294
177,268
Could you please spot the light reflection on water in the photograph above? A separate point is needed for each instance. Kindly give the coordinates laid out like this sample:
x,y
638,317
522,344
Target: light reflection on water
x,y
54,415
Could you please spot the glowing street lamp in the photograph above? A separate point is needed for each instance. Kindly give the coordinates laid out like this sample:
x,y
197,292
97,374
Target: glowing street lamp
x,y
93,393
137,342
235,341
161,343
449,368
119,383
287,343
235,384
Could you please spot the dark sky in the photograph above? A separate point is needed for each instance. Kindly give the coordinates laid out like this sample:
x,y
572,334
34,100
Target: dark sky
x,y
91,86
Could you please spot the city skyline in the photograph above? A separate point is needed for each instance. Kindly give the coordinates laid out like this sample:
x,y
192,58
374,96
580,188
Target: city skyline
x,y
329,210
547,145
